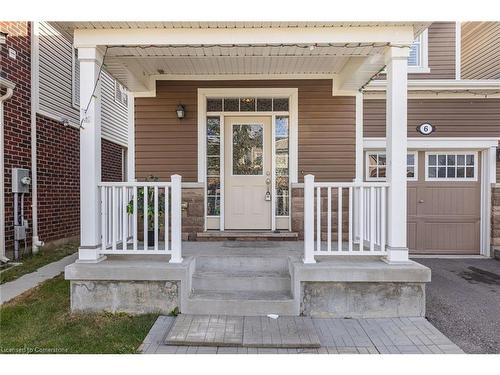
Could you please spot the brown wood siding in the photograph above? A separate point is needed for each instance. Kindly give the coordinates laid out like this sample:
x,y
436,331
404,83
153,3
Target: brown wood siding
x,y
498,164
441,52
166,145
441,44
452,117
480,50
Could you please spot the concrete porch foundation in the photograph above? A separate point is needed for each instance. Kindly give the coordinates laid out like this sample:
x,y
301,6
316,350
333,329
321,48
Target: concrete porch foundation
x,y
217,278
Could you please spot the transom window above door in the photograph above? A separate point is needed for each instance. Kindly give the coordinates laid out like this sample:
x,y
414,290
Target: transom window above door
x,y
446,166
247,104
376,165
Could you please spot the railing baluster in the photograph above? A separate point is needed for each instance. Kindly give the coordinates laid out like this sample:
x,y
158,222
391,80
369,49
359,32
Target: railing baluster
x,y
350,218
145,214
339,220
115,219
361,218
318,219
156,217
104,218
383,219
372,218
329,220
167,213
124,218
134,219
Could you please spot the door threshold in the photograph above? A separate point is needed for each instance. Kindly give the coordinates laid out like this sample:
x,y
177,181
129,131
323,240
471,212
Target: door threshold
x,y
247,235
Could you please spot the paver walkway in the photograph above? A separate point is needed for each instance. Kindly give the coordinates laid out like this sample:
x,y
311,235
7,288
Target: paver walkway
x,y
246,331
337,336
16,287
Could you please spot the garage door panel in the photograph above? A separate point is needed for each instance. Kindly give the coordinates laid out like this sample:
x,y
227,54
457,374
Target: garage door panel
x,y
446,237
447,216
412,200
411,236
449,200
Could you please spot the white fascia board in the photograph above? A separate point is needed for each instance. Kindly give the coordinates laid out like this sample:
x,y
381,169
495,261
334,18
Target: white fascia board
x,y
297,35
238,77
440,84
474,143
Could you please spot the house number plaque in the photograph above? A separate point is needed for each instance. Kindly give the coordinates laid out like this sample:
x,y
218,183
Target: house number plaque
x,y
426,128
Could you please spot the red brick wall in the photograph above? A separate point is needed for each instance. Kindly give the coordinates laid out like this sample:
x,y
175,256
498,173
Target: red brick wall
x,y
111,161
17,112
58,151
58,174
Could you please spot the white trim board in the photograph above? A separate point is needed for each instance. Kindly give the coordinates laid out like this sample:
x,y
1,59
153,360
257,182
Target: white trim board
x,y
437,143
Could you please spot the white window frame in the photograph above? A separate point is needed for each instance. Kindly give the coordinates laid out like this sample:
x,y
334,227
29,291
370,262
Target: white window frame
x,y
423,66
124,94
74,60
446,179
266,92
382,152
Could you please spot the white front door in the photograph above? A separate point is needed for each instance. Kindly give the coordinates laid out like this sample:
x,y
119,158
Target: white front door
x,y
247,172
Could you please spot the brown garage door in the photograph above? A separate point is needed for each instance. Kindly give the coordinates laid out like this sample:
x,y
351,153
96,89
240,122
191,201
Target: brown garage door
x,y
444,214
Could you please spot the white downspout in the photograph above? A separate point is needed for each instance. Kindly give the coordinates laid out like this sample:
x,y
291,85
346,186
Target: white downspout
x,y
35,243
10,90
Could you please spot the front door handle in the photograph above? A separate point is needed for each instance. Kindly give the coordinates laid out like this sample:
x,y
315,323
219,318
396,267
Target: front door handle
x,y
421,201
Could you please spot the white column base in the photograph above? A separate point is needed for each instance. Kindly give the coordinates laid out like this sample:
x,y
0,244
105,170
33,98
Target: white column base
x,y
89,256
309,261
396,255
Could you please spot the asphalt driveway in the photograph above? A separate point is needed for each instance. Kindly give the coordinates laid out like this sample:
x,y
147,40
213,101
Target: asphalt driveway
x,y
463,302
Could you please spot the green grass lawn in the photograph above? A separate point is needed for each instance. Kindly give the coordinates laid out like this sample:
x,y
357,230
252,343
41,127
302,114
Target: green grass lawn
x,y
34,262
40,321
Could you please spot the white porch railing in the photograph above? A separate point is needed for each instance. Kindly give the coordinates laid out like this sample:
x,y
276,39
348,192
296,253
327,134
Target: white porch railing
x,y
344,218
130,210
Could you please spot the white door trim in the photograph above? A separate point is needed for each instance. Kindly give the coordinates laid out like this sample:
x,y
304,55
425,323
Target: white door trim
x,y
293,138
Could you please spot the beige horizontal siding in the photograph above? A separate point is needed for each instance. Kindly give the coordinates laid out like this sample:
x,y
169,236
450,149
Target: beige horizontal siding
x,y
452,117
480,50
441,53
166,145
441,38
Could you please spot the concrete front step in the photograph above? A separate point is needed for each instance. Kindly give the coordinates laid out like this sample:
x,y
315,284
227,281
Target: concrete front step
x,y
241,281
240,303
247,236
249,263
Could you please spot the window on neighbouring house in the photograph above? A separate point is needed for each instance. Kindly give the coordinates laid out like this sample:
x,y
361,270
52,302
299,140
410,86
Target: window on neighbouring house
x,y
450,166
121,94
376,164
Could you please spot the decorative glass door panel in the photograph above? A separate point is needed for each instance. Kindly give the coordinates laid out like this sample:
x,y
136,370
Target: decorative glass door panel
x,y
247,185
248,148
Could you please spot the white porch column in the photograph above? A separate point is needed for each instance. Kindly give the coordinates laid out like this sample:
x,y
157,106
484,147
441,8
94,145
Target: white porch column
x,y
396,135
131,138
90,153
359,137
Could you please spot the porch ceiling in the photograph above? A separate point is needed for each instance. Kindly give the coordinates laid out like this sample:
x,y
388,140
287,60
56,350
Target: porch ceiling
x,y
162,50
136,66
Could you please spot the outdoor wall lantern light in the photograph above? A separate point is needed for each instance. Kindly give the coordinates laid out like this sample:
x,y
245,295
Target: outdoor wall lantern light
x,y
181,112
